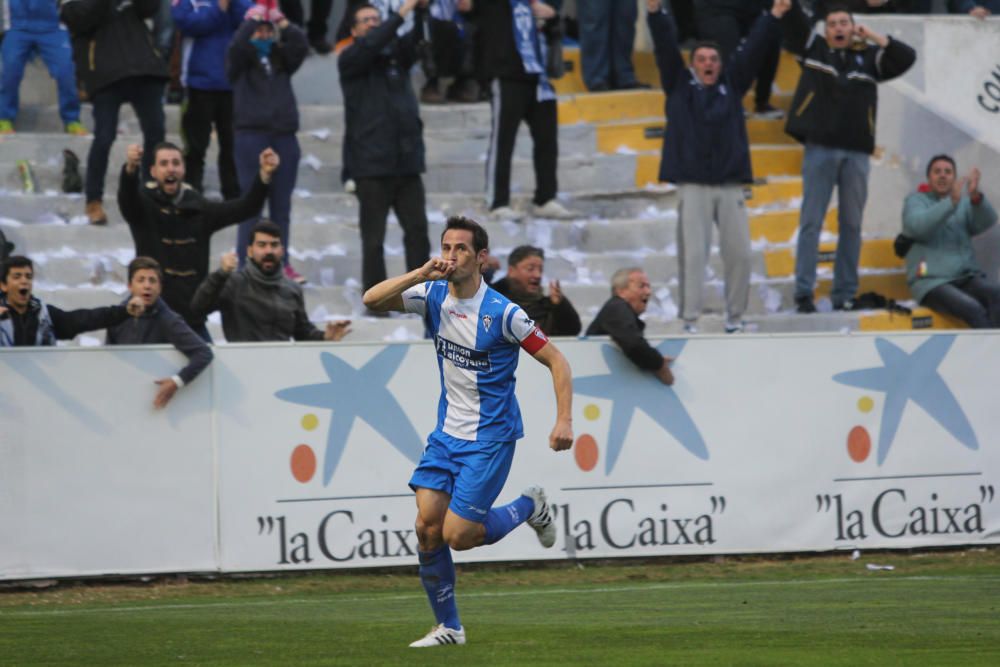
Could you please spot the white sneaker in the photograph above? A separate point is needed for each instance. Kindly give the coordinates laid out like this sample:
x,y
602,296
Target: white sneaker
x,y
554,210
506,213
735,327
440,636
690,328
541,518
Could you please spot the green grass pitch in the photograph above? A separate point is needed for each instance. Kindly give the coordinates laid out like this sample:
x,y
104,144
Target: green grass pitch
x,y
937,608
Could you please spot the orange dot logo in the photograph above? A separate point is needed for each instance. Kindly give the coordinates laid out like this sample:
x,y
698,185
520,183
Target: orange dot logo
x,y
585,452
859,444
303,463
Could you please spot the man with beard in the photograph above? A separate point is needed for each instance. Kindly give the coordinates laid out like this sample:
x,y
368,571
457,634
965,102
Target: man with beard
x,y
553,314
172,223
159,324
25,320
619,318
258,302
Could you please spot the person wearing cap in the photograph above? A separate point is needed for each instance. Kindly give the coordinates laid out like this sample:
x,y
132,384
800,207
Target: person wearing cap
x,y
264,54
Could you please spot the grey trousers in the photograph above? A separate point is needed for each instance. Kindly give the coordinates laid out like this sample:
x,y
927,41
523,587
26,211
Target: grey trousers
x,y
701,206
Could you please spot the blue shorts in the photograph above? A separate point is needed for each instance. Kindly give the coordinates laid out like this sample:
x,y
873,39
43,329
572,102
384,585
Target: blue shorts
x,y
472,472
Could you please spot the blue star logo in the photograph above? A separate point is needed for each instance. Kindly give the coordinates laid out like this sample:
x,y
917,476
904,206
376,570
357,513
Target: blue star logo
x,y
631,390
359,394
912,377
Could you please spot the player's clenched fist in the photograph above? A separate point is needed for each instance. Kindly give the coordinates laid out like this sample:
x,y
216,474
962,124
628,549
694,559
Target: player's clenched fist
x,y
437,268
561,437
133,156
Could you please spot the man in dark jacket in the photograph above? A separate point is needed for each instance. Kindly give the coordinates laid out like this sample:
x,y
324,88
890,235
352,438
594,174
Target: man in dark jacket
x,y
172,223
264,54
159,324
25,320
553,314
258,302
619,318
383,137
208,28
707,153
833,113
115,63
728,22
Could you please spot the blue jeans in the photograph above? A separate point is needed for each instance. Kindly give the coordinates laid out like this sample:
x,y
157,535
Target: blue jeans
x,y
53,47
823,168
974,300
145,94
248,147
607,33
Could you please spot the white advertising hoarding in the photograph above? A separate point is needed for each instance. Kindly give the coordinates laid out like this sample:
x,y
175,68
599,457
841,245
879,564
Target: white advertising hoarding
x,y
93,480
285,457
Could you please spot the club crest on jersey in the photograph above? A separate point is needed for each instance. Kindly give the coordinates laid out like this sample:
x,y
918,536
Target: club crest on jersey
x,y
487,321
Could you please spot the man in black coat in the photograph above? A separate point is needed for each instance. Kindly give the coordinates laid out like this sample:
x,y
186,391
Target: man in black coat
x,y
619,318
258,302
383,137
553,314
25,320
116,63
159,324
172,223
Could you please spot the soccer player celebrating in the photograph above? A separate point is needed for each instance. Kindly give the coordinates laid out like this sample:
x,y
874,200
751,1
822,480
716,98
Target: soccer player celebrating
x,y
477,332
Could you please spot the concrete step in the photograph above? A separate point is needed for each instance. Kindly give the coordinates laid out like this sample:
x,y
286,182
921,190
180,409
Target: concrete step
x,y
767,161
646,71
442,145
618,106
875,254
53,207
921,318
647,134
781,226
576,173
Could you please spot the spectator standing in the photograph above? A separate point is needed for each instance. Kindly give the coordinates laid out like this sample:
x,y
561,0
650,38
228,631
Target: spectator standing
x,y
159,324
383,136
116,63
34,28
607,34
728,22
257,302
820,7
619,318
173,223
25,320
207,28
706,152
514,52
452,51
553,314
834,114
941,267
260,64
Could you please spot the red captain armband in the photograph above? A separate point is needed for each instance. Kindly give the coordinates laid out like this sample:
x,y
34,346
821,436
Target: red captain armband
x,y
534,341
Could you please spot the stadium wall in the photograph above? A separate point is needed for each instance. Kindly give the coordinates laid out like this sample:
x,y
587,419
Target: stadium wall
x,y
291,457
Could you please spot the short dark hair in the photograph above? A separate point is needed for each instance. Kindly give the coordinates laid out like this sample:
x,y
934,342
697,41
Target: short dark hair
x,y
140,263
165,146
937,158
706,44
480,239
358,8
265,227
523,252
16,262
838,8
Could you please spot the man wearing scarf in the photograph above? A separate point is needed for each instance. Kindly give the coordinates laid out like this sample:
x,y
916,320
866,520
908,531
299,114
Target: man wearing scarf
x,y
514,61
258,302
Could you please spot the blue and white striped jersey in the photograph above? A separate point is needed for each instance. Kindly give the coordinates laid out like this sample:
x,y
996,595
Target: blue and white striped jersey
x,y
477,342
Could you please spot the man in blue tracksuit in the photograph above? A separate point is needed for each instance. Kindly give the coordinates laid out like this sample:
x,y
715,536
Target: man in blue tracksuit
x,y
207,27
34,29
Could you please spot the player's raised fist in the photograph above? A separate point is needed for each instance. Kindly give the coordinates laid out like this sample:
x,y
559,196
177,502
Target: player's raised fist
x,y
437,268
